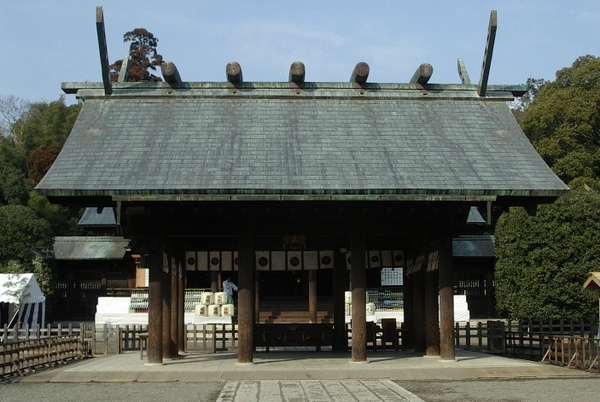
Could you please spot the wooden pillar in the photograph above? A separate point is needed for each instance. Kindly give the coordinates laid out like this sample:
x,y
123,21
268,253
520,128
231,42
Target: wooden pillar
x,y
245,294
174,277
446,283
166,306
408,337
340,341
182,339
214,282
312,295
155,316
358,278
419,310
432,328
257,296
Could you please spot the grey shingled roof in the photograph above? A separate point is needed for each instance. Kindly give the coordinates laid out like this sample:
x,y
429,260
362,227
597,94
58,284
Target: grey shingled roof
x,y
477,246
90,247
92,218
215,144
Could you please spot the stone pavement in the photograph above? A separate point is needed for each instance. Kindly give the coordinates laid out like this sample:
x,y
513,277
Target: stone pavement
x,y
302,375
300,365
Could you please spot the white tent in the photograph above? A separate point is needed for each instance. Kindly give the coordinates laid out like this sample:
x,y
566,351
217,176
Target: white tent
x,y
25,300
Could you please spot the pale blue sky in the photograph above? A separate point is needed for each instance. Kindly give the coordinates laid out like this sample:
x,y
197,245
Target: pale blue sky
x,y
45,43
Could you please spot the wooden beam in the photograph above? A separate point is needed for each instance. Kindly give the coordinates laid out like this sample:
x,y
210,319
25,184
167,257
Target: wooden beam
x,y
124,69
422,75
170,73
297,72
234,72
360,73
462,72
487,56
103,51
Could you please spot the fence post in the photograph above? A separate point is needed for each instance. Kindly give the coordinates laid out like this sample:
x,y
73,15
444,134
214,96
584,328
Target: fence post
x,y
5,334
480,335
59,329
105,338
468,335
119,340
457,330
16,332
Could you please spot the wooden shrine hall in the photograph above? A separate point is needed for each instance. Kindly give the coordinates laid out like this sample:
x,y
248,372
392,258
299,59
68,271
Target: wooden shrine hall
x,y
344,166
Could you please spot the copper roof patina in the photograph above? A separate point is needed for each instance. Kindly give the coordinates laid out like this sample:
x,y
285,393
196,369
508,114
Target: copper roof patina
x,y
201,141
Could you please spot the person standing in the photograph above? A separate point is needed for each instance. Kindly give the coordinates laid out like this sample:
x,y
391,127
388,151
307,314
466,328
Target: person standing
x,y
228,288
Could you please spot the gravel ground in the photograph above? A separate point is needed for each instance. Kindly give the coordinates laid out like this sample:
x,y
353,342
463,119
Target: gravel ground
x,y
115,392
543,390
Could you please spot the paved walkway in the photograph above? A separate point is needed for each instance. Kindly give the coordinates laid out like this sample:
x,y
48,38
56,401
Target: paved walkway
x,y
201,366
299,375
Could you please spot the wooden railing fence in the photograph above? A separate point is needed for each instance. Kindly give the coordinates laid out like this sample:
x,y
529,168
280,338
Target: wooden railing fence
x,y
564,342
573,351
19,357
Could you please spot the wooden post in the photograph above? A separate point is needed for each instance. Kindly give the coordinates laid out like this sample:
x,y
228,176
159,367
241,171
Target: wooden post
x,y
462,72
432,328
173,302
446,283
358,277
245,293
418,279
182,340
408,337
166,307
312,296
214,281
155,317
106,79
257,297
340,338
123,73
487,55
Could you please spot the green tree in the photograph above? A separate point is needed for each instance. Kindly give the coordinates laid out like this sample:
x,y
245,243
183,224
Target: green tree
x,y
14,186
26,244
563,120
543,261
143,57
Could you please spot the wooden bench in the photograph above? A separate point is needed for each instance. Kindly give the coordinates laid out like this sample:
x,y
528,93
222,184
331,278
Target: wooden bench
x,y
315,335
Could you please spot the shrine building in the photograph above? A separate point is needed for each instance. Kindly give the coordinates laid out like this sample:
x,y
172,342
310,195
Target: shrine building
x,y
340,176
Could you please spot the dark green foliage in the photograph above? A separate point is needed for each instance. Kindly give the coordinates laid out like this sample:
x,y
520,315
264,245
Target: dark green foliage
x,y
543,261
563,121
26,244
14,186
28,222
143,57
